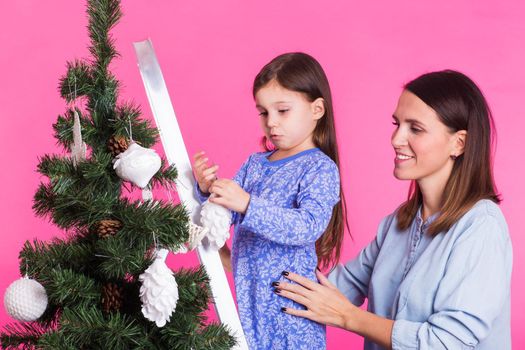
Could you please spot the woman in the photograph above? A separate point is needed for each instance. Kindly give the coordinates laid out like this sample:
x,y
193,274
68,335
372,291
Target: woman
x,y
437,275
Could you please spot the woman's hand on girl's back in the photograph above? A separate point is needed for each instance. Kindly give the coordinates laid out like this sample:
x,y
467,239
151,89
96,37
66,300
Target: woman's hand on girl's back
x,y
204,174
230,195
323,301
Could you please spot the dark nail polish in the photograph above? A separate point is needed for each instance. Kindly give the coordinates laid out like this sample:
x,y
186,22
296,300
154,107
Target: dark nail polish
x,y
318,269
283,309
275,284
285,273
277,291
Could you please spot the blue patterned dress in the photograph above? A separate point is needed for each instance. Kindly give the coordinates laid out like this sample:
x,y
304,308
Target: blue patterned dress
x,y
290,207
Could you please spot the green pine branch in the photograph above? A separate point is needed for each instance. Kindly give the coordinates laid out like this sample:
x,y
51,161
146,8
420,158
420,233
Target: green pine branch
x,y
120,256
166,223
68,288
77,82
18,336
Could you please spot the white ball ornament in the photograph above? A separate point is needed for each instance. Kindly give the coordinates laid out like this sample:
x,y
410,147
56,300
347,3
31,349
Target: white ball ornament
x,y
217,220
25,299
137,165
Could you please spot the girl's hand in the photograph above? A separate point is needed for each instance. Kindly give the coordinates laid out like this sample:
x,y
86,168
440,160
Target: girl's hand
x,y
204,174
324,302
230,195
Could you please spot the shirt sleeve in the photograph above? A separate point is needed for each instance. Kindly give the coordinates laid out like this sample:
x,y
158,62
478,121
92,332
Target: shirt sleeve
x,y
472,293
318,194
353,278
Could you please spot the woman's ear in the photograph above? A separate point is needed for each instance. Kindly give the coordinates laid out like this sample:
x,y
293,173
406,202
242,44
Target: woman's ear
x,y
459,142
318,108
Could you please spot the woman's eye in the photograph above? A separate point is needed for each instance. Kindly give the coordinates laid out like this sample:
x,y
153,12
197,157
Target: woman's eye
x,y
263,114
415,130
283,110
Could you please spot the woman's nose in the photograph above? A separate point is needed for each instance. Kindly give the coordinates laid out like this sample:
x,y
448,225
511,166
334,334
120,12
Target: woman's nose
x,y
398,138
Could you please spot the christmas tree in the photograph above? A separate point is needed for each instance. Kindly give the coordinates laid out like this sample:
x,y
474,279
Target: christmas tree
x,y
91,276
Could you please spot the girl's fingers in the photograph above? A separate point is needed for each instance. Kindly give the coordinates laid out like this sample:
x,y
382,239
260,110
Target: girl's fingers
x,y
210,177
218,200
198,155
201,165
217,189
210,171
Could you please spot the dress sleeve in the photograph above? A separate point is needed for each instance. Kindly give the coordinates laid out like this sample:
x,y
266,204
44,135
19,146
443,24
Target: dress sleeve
x,y
353,278
471,295
318,194
201,196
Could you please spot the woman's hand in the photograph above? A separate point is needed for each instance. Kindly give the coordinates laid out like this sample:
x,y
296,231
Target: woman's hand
x,y
324,302
230,195
204,174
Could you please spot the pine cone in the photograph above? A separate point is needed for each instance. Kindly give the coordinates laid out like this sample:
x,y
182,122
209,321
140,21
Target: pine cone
x,y
106,228
112,297
117,144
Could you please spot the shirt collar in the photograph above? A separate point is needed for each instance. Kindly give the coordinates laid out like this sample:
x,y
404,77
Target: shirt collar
x,y
419,218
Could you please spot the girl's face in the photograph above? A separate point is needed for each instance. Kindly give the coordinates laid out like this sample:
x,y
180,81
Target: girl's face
x,y
423,144
287,118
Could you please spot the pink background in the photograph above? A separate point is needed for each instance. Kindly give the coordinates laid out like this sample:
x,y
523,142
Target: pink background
x,y
210,53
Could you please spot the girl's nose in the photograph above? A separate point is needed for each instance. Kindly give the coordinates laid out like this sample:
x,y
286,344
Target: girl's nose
x,y
271,120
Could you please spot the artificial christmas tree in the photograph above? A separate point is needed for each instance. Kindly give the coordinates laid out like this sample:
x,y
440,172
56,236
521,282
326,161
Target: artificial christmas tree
x,y
91,277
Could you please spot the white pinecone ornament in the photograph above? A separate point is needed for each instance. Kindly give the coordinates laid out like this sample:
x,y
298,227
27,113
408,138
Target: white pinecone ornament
x,y
217,220
25,299
137,165
159,292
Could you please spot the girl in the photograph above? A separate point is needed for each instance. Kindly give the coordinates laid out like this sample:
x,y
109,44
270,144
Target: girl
x,y
286,201
437,275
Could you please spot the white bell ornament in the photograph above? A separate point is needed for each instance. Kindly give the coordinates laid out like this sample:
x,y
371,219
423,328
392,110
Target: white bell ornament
x,y
137,165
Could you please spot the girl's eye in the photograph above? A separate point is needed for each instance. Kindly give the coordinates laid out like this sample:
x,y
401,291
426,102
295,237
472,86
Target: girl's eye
x,y
282,111
263,114
415,130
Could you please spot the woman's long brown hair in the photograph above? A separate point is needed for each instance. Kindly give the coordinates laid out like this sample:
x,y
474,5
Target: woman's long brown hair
x,y
460,105
302,73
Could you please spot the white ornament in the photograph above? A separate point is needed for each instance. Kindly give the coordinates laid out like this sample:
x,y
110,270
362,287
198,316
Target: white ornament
x,y
197,233
159,292
137,164
78,150
217,220
25,299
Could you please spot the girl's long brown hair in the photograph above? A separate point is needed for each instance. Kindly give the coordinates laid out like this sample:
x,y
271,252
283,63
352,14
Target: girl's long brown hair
x,y
460,105
302,73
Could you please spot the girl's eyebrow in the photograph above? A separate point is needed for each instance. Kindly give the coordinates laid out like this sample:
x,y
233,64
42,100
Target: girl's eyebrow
x,y
273,104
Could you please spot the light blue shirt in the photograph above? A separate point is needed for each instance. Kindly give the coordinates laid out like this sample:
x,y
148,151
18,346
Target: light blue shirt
x,y
451,291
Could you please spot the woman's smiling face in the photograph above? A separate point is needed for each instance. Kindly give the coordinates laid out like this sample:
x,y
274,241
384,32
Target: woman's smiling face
x,y
423,144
